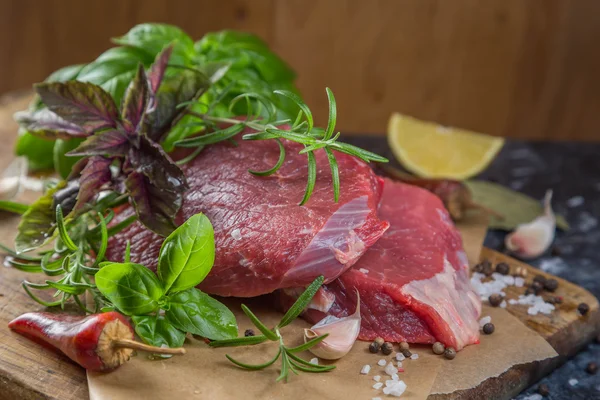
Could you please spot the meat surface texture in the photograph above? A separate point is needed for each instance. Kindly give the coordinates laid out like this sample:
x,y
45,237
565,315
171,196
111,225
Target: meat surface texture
x,y
264,239
413,283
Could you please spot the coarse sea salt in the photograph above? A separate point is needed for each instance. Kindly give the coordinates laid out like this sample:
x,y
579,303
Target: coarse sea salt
x,y
400,357
376,398
381,362
535,396
395,377
395,389
377,378
378,386
399,364
314,361
390,369
537,304
414,356
573,382
485,320
503,304
519,282
365,369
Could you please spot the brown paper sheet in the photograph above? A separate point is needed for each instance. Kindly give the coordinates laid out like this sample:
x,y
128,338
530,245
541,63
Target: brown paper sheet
x,y
204,373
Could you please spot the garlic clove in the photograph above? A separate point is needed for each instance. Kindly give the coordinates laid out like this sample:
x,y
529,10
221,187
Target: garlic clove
x,y
532,239
342,333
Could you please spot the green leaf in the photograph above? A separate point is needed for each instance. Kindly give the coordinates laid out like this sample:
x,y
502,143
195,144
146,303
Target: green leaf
x,y
63,164
211,138
302,302
187,255
254,367
62,230
312,177
197,313
242,341
296,99
13,207
335,174
307,345
37,224
132,288
517,208
157,331
36,150
278,165
258,323
332,115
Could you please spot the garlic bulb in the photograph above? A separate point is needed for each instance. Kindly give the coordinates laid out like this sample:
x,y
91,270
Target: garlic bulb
x,y
342,335
532,239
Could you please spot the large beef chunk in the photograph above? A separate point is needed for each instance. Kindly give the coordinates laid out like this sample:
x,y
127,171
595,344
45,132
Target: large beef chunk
x,y
413,283
264,239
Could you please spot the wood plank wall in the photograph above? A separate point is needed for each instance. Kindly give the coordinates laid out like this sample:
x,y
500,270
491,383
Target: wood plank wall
x,y
518,68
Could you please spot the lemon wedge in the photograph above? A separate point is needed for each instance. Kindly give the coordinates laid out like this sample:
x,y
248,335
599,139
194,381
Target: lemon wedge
x,y
430,150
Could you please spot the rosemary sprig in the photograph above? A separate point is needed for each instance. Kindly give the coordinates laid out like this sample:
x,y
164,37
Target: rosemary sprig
x,y
266,127
289,360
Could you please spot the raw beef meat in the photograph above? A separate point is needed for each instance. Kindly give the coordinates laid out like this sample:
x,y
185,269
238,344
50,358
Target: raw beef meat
x,y
264,240
413,283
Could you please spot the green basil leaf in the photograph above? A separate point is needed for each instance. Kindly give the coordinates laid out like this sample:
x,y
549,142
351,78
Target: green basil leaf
x,y
65,74
196,312
187,255
132,288
63,164
157,331
37,223
36,150
13,207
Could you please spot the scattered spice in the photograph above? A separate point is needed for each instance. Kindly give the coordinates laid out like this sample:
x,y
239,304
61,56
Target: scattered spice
x,y
591,368
387,348
438,348
404,346
248,332
555,300
543,390
488,328
537,287
583,308
529,291
503,268
374,347
520,271
478,268
551,285
97,342
379,341
406,353
365,369
539,278
487,269
495,299
450,353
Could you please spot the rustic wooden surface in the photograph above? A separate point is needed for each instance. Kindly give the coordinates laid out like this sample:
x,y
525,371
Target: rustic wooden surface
x,y
514,68
28,371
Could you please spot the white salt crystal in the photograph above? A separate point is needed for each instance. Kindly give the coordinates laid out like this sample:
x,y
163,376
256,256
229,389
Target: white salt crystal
x,y
535,396
414,356
381,362
395,377
573,382
532,311
512,301
365,369
485,320
497,276
314,361
390,383
390,369
509,280
376,398
386,390
399,364
503,304
236,234
400,357
575,201
377,378
378,386
363,270
398,389
519,282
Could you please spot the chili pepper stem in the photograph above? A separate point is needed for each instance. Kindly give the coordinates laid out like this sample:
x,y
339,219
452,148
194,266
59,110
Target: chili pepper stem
x,y
132,344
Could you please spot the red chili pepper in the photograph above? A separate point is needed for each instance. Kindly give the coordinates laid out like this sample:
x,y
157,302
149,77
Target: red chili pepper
x,y
400,369
98,342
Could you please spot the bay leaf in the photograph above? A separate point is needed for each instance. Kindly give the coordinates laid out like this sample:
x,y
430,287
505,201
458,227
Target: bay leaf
x,y
517,208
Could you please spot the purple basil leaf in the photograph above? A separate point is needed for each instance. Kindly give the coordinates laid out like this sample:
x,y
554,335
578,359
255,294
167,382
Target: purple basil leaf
x,y
154,163
157,70
110,143
77,168
156,208
136,101
82,104
45,124
186,85
93,177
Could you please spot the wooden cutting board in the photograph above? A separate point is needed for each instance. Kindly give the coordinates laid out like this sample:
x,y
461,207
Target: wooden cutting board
x,y
28,371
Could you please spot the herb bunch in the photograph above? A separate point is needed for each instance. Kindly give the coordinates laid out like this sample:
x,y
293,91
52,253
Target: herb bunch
x,y
268,127
289,359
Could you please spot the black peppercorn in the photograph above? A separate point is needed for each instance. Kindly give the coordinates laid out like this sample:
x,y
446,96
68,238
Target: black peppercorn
x,y
450,353
406,353
404,346
529,291
495,300
487,269
488,328
543,389
374,347
551,285
379,341
591,368
478,268
438,348
248,332
537,287
583,308
503,268
387,348
539,278
555,300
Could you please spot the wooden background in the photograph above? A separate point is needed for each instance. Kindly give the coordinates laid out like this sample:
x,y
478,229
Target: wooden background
x,y
518,68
